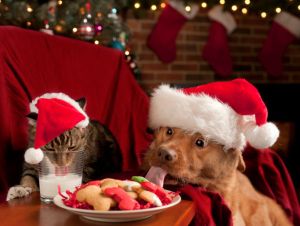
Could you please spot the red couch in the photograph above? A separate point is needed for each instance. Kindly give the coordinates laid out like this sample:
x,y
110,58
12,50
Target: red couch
x,y
32,63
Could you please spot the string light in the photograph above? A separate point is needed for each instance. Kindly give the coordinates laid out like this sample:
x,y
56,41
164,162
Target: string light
x,y
188,8
28,23
234,8
88,29
244,10
59,2
137,5
222,2
74,29
29,9
263,15
114,10
203,4
127,53
298,7
96,42
247,2
163,5
153,7
278,10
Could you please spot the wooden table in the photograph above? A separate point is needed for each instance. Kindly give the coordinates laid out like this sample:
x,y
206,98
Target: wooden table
x,y
30,211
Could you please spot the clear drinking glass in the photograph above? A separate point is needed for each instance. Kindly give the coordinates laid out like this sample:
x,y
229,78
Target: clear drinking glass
x,y
59,169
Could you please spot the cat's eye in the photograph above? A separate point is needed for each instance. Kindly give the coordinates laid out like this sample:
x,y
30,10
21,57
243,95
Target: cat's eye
x,y
169,131
72,147
200,143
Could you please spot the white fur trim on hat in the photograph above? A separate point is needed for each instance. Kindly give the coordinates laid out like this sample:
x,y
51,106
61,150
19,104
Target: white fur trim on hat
x,y
215,120
180,7
33,156
262,136
82,124
223,17
289,22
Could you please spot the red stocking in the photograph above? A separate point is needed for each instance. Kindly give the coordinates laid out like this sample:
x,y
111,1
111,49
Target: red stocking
x,y
285,29
216,50
162,39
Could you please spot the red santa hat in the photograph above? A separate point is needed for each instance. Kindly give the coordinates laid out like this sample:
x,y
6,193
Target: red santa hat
x,y
57,113
230,113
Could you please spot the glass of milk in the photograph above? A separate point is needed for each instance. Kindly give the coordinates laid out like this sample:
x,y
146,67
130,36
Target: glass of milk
x,y
59,169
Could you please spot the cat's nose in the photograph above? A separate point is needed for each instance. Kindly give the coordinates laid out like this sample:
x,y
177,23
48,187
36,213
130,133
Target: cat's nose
x,y
166,155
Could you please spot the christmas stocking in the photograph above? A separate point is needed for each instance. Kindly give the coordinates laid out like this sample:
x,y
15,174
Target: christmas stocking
x,y
285,29
162,39
216,50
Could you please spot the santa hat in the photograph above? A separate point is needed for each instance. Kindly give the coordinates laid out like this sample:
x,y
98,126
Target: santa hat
x,y
57,113
230,113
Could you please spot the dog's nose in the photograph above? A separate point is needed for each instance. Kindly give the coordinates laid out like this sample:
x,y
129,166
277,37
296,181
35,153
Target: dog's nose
x,y
167,155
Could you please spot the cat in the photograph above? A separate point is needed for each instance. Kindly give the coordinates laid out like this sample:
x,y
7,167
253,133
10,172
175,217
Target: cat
x,y
102,153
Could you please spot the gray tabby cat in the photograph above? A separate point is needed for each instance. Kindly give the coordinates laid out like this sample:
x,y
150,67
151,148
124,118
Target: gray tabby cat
x,y
102,154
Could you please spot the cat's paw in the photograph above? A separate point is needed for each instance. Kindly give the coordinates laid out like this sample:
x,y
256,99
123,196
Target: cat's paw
x,y
18,192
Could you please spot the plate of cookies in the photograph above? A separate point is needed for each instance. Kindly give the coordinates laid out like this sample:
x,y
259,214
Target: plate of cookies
x,y
112,200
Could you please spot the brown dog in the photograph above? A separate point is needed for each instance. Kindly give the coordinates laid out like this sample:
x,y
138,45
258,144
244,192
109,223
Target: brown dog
x,y
189,158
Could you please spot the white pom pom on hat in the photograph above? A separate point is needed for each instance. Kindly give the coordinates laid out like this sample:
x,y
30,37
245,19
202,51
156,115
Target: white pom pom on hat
x,y
261,136
57,113
231,113
33,156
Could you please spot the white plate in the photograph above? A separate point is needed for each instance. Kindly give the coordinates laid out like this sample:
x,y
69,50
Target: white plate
x,y
115,215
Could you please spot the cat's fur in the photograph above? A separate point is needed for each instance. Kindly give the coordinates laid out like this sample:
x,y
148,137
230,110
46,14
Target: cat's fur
x,y
102,154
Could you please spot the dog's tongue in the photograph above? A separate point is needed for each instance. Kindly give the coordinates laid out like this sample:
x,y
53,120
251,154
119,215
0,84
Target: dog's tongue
x,y
156,175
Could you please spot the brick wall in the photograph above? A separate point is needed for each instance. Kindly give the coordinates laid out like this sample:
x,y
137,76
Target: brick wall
x,y
190,69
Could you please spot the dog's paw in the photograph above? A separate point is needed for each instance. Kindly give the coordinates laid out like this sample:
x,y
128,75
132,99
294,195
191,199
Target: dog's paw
x,y
18,192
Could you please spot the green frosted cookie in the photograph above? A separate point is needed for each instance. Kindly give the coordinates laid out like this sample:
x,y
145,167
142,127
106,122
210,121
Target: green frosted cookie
x,y
139,179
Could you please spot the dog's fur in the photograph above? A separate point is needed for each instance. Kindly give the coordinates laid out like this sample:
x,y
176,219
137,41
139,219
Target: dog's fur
x,y
189,158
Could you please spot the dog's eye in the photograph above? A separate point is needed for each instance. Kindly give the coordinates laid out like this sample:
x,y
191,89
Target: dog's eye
x,y
169,131
200,143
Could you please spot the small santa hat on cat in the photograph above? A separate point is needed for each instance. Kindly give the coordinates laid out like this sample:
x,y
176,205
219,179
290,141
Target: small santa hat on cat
x,y
230,113
57,113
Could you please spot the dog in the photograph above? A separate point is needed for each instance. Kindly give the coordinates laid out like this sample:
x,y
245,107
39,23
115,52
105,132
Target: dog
x,y
189,158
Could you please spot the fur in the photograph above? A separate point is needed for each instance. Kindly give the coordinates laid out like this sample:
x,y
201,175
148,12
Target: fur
x,y
180,7
190,158
289,22
196,113
210,116
101,151
66,98
225,18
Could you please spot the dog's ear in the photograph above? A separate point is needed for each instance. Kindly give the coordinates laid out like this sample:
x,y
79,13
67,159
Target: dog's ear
x,y
238,161
241,164
32,118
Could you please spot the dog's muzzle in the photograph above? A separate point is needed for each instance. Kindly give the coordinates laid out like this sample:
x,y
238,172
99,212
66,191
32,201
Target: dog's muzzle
x,y
166,155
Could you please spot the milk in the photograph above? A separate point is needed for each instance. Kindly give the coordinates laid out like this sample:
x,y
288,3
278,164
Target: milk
x,y
49,184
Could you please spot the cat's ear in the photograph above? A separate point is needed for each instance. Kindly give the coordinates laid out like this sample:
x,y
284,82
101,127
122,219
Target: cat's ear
x,y
82,102
32,118
32,115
